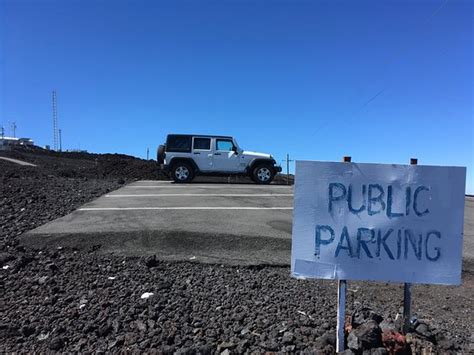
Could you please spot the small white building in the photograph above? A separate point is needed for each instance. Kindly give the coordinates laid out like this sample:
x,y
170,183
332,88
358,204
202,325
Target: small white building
x,y
15,141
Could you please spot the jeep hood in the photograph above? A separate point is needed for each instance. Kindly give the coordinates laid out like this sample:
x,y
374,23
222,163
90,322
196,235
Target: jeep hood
x,y
256,154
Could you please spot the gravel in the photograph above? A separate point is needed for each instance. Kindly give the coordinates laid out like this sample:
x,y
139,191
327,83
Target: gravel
x,y
63,300
29,198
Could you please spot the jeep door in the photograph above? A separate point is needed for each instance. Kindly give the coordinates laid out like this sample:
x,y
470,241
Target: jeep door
x,y
225,159
202,153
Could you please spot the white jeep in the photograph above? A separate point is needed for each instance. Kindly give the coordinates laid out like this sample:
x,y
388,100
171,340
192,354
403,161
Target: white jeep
x,y
184,156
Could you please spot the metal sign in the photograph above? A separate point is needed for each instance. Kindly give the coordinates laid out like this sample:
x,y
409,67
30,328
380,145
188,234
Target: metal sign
x,y
379,222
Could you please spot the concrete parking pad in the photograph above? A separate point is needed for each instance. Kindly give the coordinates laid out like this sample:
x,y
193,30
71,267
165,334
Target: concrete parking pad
x,y
208,222
231,223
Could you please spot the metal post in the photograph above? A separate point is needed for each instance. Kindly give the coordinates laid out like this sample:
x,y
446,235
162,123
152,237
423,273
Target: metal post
x,y
60,141
288,169
407,289
341,314
288,161
406,307
341,302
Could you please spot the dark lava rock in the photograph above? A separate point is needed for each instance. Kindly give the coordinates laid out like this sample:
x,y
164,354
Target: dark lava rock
x,y
389,324
225,346
56,344
366,336
325,340
151,261
5,258
117,342
424,330
163,285
89,328
270,345
52,267
104,330
27,330
288,338
23,261
42,280
448,344
364,315
141,326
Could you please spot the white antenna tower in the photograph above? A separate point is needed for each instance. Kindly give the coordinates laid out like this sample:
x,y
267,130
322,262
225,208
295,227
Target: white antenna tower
x,y
14,127
55,123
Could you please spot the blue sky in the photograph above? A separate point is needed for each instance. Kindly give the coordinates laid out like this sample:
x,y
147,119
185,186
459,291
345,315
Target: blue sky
x,y
381,81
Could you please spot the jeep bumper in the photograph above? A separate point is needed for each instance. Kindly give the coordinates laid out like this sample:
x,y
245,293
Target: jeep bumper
x,y
277,169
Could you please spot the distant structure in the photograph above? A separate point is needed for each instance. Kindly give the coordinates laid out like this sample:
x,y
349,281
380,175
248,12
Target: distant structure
x,y
55,122
7,142
76,151
14,129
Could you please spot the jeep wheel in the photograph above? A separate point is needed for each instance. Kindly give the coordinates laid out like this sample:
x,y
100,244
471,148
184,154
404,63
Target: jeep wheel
x,y
182,172
263,174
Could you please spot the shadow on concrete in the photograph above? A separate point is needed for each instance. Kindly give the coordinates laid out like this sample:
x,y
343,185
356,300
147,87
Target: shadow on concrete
x,y
177,245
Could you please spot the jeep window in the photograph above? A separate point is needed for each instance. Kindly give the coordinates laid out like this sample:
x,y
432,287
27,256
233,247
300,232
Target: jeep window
x,y
202,143
224,144
176,143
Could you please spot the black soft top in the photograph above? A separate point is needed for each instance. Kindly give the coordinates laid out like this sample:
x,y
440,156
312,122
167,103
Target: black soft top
x,y
200,135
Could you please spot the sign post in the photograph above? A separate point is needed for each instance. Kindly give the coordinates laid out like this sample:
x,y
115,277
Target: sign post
x,y
341,314
377,222
341,302
407,288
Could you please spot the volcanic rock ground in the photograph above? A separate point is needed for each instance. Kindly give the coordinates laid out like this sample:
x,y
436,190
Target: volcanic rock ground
x,y
65,300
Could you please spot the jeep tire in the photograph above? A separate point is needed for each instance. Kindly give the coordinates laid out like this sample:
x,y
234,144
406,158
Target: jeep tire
x,y
182,172
263,174
160,154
